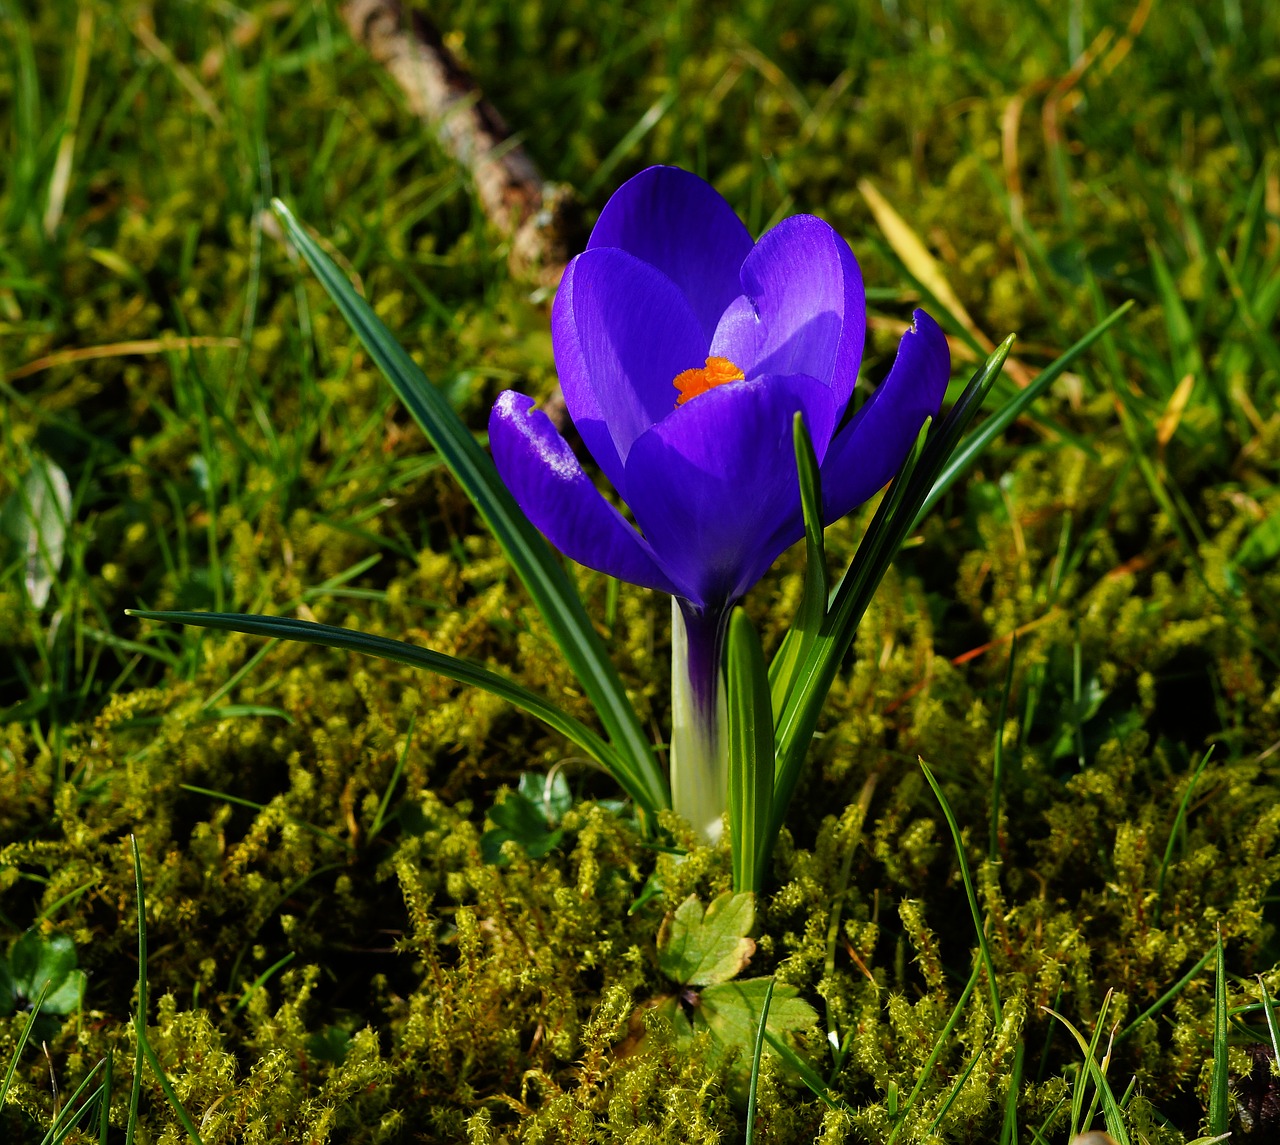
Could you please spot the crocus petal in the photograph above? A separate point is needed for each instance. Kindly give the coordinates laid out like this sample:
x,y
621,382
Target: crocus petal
x,y
869,450
621,331
802,308
544,476
679,223
712,483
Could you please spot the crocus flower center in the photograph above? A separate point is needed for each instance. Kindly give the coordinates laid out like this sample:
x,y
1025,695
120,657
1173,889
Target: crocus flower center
x,y
717,371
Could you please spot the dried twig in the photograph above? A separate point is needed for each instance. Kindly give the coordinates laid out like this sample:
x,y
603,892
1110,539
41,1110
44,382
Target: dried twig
x,y
542,220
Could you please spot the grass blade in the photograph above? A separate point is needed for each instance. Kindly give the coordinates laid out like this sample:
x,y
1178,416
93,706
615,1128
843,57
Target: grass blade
x,y
260,981
22,1042
755,1065
1219,1077
1178,820
167,1086
530,556
997,763
1165,998
104,1110
140,1019
1181,330
70,1111
453,667
995,425
805,1072
381,817
817,588
627,143
1269,1012
920,264
889,528
1009,1130
955,1092
1110,1107
983,945
936,1052
310,828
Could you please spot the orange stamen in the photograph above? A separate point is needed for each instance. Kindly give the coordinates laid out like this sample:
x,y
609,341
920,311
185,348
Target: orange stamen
x,y
699,380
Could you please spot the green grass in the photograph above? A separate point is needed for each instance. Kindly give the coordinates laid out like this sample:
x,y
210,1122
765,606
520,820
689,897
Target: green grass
x,y
327,956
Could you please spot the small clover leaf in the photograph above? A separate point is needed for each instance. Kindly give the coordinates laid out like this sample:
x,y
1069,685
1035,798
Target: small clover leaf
x,y
699,949
529,816
36,962
330,1045
550,792
731,1011
703,953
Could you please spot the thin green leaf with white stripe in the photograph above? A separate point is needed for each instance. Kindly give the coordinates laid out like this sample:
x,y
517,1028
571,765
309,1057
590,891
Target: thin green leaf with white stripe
x,y
925,477
452,667
535,564
750,752
888,529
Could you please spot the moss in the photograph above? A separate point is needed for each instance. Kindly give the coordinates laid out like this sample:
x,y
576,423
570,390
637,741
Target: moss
x,y
426,994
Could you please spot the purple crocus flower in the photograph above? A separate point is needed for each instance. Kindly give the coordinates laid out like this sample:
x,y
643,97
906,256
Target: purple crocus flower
x,y
684,351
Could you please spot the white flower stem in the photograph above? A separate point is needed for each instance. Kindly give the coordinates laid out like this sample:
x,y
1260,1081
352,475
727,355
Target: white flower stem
x,y
699,736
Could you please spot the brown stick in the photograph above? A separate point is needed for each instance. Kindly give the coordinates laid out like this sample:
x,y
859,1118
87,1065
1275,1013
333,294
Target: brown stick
x,y
542,221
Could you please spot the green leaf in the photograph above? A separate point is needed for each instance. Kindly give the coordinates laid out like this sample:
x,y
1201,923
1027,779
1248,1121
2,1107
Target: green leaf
x,y
38,963
1261,546
8,990
34,518
884,536
36,1011
1269,1012
634,764
453,667
942,1041
670,1008
955,465
330,1045
750,752
528,816
817,587
1219,1075
700,949
549,792
1182,334
731,1011
1110,1106
753,1091
984,946
924,478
